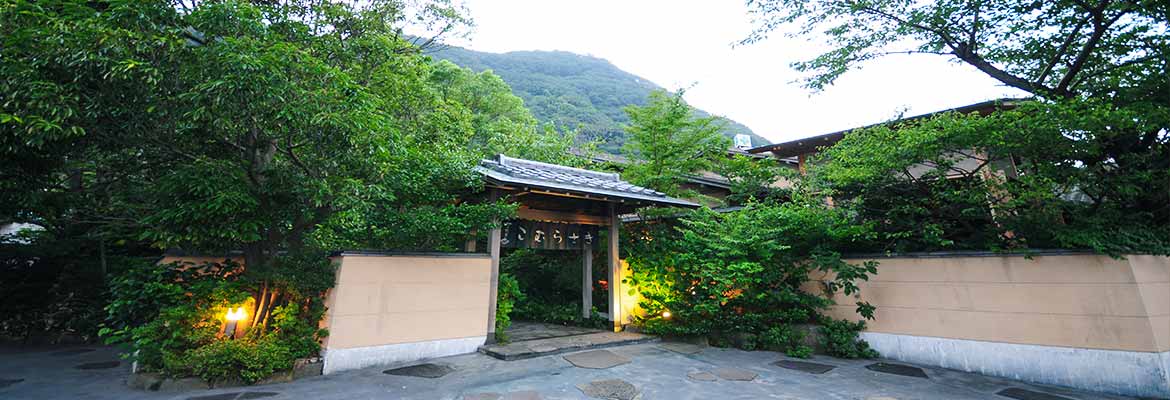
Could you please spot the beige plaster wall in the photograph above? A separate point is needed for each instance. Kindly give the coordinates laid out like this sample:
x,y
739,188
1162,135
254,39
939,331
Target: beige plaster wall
x,y
383,300
628,302
1082,301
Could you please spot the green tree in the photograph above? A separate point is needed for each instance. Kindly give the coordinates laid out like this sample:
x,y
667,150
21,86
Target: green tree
x,y
1053,49
1059,198
1091,152
499,121
667,143
271,128
753,178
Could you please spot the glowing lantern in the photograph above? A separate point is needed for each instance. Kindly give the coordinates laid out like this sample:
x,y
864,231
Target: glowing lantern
x,y
233,318
236,315
666,314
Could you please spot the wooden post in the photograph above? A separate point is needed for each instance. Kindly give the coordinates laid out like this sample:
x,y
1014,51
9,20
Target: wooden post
x,y
586,281
615,226
469,246
494,284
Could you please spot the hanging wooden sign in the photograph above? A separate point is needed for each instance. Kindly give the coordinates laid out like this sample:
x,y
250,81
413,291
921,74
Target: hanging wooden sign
x,y
546,235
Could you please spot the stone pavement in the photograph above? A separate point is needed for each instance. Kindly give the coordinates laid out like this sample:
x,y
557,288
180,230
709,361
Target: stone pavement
x,y
516,350
653,372
521,331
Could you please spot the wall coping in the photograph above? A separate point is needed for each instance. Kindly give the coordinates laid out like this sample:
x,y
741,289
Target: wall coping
x,y
975,253
381,253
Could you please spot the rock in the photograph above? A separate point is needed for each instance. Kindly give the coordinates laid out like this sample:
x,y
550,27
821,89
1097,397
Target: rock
x,y
6,382
596,359
182,385
702,376
277,377
227,383
735,374
144,381
307,367
612,389
743,340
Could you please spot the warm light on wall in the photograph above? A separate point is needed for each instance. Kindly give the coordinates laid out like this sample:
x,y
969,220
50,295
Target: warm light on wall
x,y
236,315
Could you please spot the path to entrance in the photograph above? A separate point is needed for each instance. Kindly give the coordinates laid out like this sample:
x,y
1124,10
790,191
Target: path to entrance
x,y
535,339
523,330
651,370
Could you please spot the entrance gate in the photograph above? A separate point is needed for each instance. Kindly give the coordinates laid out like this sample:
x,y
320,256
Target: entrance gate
x,y
564,208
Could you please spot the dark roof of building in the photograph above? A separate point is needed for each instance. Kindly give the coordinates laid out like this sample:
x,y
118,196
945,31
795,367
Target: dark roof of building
x,y
811,144
504,170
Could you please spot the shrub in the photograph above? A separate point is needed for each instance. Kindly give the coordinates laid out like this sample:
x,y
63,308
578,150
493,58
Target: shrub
x,y
248,360
169,319
784,338
508,294
741,272
839,338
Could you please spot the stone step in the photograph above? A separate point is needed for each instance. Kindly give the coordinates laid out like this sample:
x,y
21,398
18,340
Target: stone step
x,y
565,344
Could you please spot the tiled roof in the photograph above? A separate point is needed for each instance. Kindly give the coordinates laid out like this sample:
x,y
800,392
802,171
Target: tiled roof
x,y
558,177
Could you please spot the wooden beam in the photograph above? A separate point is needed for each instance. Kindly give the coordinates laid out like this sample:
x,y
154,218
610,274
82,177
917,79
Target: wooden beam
x,y
615,226
560,216
586,281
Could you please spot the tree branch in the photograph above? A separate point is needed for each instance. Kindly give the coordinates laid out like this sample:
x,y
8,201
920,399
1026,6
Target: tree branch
x,y
1100,26
1060,51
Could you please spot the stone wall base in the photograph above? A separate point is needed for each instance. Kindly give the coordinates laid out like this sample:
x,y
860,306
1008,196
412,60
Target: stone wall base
x,y
1128,373
337,360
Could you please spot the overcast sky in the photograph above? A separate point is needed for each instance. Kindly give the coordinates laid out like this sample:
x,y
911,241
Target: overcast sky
x,y
676,43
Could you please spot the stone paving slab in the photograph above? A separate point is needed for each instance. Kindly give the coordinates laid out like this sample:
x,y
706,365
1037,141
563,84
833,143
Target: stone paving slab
x,y
735,374
610,389
1025,394
565,344
523,395
897,369
427,370
235,396
682,348
657,374
702,376
597,359
805,366
521,331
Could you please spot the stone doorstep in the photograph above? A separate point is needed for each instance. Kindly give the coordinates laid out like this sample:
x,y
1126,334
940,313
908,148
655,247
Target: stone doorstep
x,y
546,347
150,381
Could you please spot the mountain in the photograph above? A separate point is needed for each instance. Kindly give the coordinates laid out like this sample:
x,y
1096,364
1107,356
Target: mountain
x,y
573,91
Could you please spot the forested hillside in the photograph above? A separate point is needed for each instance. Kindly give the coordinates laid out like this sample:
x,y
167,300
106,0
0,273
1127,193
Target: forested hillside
x,y
572,91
